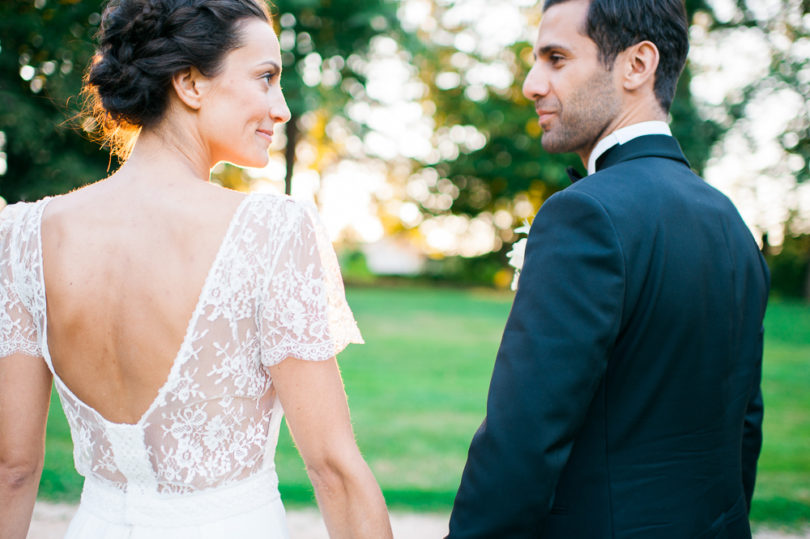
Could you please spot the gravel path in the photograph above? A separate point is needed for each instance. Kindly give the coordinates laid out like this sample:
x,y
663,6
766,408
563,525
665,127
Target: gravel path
x,y
51,520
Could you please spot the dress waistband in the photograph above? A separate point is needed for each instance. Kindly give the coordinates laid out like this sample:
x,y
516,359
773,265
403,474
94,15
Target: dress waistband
x,y
136,506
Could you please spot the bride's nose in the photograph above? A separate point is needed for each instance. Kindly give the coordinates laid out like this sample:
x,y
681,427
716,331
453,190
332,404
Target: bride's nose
x,y
279,111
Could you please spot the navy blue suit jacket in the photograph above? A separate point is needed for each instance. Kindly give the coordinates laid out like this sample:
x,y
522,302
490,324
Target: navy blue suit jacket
x,y
625,400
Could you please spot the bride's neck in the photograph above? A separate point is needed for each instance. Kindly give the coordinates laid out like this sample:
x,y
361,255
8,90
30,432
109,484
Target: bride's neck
x,y
164,155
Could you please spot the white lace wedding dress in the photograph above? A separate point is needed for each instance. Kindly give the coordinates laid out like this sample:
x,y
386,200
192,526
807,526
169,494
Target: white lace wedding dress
x,y
200,461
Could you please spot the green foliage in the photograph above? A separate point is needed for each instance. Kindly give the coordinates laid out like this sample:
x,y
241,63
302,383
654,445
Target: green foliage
x,y
460,270
695,134
44,48
417,391
354,268
790,268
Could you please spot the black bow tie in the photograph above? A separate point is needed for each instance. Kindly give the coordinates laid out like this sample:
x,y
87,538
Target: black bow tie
x,y
573,174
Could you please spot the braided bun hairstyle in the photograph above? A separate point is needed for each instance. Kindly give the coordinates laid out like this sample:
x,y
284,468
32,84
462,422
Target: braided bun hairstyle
x,y
142,44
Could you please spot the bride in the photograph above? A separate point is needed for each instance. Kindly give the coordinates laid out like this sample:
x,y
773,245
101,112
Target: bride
x,y
179,320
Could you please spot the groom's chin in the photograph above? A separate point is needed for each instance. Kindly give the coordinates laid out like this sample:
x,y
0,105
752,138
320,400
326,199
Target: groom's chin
x,y
552,144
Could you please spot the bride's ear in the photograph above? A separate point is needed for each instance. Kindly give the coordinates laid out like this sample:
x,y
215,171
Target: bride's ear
x,y
190,86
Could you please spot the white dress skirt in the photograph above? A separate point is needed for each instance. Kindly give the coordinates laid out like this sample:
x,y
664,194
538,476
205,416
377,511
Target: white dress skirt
x,y
248,509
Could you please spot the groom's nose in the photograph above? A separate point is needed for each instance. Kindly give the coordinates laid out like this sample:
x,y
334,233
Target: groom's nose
x,y
536,83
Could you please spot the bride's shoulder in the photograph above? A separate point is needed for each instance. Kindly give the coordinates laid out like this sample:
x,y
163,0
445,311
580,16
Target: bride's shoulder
x,y
19,227
19,215
283,208
274,200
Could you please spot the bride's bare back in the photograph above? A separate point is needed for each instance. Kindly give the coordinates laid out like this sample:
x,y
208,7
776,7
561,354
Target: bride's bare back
x,y
123,270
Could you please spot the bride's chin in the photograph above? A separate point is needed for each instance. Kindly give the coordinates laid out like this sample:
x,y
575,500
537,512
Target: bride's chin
x,y
252,161
260,162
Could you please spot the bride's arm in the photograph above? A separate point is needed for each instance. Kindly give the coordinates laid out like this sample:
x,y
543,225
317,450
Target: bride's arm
x,y
25,389
314,402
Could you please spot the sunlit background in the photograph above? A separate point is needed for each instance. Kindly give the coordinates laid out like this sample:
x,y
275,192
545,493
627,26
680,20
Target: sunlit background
x,y
410,133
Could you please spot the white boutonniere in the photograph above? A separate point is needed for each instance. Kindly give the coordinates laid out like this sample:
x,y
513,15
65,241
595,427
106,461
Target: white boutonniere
x,y
517,253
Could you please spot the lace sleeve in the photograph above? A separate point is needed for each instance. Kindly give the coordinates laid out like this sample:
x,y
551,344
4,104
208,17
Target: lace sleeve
x,y
304,313
18,330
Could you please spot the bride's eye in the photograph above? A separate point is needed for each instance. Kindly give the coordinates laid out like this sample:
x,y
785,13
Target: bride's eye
x,y
270,76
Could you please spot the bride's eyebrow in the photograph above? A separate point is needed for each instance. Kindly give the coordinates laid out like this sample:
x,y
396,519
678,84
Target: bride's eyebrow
x,y
272,63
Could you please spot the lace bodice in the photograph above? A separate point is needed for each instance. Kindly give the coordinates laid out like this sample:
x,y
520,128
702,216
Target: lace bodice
x,y
274,291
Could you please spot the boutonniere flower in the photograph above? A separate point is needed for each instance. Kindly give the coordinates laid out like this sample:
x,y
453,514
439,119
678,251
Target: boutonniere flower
x,y
517,253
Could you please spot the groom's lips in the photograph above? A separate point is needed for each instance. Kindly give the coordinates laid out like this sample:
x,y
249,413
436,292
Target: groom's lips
x,y
544,115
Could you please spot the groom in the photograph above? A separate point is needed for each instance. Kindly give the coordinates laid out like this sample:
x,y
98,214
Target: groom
x,y
625,399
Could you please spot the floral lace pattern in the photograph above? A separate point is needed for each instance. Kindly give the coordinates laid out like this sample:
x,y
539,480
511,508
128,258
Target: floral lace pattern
x,y
274,291
19,331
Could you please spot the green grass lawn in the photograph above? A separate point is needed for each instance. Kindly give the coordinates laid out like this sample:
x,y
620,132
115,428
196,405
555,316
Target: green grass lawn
x,y
782,492
417,391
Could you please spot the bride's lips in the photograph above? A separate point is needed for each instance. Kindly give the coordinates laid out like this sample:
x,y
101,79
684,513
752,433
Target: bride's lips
x,y
268,135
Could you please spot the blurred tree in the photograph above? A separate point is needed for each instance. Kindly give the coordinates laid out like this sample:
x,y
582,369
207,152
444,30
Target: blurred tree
x,y
44,47
790,267
323,43
784,27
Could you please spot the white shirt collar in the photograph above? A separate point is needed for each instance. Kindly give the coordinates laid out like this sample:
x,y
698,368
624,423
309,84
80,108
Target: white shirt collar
x,y
620,136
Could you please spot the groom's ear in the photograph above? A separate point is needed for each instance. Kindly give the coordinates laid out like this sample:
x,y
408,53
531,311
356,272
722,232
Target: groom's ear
x,y
638,64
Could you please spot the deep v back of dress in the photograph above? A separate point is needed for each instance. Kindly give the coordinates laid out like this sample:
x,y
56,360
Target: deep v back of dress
x,y
122,278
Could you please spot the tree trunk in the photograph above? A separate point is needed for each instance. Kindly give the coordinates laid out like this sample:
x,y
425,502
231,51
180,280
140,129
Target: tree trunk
x,y
807,282
289,152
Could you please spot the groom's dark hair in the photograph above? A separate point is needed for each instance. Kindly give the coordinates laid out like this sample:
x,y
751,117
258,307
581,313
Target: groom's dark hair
x,y
615,25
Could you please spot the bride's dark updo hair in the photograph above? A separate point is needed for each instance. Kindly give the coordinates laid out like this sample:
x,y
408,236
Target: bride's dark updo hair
x,y
142,44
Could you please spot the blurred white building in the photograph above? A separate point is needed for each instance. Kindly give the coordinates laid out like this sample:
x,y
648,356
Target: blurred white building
x,y
394,256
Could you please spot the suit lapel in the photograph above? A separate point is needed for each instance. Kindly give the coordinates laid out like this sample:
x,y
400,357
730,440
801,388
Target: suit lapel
x,y
644,146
